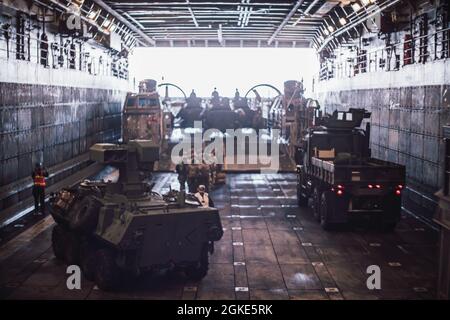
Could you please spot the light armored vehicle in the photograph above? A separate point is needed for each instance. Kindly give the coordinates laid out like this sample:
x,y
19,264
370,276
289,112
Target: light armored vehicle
x,y
114,230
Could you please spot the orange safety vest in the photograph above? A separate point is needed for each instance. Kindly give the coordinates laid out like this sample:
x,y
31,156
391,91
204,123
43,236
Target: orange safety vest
x,y
39,180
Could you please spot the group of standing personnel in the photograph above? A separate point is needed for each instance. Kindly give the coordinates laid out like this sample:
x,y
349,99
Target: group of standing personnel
x,y
194,175
197,177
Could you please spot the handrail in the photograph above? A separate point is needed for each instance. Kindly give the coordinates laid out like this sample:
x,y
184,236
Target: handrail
x,y
48,53
390,57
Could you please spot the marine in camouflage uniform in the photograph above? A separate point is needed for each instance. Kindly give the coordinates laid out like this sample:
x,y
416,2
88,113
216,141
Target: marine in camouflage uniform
x,y
192,177
182,170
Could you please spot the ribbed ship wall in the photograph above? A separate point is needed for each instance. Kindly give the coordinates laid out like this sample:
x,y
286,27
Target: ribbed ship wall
x,y
53,115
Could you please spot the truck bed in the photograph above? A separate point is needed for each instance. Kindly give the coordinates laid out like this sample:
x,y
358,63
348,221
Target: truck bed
x,y
372,171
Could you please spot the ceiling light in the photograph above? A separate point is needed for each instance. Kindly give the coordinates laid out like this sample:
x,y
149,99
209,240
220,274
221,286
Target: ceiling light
x,y
343,21
330,28
356,6
93,14
106,23
326,32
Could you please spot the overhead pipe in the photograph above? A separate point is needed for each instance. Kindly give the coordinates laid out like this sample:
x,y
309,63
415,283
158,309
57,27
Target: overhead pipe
x,y
306,12
194,19
285,21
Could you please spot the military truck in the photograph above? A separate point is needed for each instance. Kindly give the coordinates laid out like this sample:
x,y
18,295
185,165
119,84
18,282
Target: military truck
x,y
122,229
335,169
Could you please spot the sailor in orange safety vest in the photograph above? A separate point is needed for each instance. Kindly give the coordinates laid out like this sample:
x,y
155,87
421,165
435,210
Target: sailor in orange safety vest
x,y
39,174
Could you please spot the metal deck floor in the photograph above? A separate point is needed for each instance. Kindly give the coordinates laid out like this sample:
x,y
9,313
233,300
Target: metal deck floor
x,y
271,249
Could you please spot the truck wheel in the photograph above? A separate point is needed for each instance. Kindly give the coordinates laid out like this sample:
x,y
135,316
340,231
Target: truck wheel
x,y
301,199
59,242
85,216
199,270
325,212
72,253
106,270
87,259
317,204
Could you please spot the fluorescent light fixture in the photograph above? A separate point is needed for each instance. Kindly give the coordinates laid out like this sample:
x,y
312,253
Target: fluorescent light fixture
x,y
356,6
343,21
330,28
93,14
106,23
326,32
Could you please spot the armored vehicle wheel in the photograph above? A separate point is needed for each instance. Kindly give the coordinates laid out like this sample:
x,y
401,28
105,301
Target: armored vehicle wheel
x,y
301,199
387,226
57,214
72,248
85,216
106,271
199,270
325,211
59,242
317,204
87,259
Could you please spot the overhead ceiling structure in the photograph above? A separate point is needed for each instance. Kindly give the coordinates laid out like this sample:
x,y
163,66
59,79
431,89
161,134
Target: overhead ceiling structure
x,y
229,23
250,23
322,24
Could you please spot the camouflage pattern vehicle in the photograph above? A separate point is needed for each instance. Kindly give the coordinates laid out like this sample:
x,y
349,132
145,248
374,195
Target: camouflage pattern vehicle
x,y
143,115
122,229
